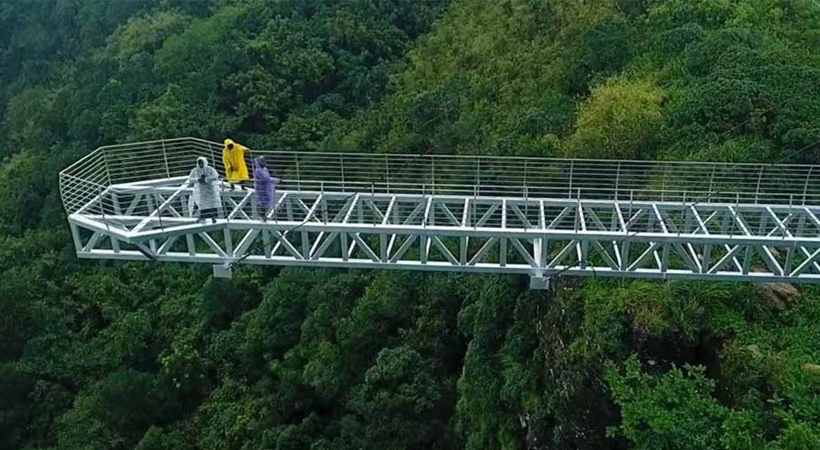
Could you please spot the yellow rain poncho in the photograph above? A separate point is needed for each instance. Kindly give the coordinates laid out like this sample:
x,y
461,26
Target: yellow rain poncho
x,y
233,156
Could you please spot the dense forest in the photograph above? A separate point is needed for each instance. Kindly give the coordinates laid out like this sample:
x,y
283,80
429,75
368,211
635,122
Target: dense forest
x,y
110,355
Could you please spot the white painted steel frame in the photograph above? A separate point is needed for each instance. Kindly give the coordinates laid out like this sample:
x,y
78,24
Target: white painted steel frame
x,y
535,216
537,237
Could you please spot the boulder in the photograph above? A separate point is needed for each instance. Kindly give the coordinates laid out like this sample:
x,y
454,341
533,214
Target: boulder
x,y
779,295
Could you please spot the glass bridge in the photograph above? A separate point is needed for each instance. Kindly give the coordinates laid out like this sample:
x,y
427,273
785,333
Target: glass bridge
x,y
532,216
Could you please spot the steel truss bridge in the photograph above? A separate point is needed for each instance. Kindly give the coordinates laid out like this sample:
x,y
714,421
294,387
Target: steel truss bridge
x,y
535,216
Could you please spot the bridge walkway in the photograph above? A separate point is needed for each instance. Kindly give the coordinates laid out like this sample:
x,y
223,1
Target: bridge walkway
x,y
534,216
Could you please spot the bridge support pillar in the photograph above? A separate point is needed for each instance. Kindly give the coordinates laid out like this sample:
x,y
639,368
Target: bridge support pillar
x,y
223,271
539,282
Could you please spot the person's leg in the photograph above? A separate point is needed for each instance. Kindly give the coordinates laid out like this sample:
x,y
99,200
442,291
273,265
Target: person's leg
x,y
209,213
197,212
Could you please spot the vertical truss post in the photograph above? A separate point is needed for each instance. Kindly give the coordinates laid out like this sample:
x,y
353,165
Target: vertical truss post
x,y
465,222
787,264
266,247
75,235
343,236
502,257
115,200
665,258
707,258
305,244
475,206
579,215
228,241
383,247
747,260
801,224
289,209
541,242
324,204
424,239
724,224
160,204
360,212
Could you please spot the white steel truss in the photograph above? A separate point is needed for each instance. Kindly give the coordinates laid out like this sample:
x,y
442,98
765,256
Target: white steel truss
x,y
538,237
537,217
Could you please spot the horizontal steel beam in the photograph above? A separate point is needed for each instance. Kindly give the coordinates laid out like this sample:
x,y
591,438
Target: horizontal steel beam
x,y
437,266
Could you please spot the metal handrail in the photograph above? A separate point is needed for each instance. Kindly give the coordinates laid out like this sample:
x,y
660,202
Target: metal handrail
x,y
513,175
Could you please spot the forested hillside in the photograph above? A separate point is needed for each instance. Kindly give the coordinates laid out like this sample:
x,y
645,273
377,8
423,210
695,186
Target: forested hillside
x,y
109,355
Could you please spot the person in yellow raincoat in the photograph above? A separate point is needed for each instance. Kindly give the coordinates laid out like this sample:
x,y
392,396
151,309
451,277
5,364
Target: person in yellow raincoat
x,y
233,156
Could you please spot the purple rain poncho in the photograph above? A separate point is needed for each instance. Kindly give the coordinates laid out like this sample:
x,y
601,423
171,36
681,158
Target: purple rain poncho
x,y
263,183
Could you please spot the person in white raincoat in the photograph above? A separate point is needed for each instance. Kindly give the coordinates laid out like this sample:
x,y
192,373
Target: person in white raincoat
x,y
206,190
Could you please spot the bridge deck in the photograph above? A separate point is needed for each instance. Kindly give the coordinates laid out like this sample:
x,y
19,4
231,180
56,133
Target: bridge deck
x,y
538,217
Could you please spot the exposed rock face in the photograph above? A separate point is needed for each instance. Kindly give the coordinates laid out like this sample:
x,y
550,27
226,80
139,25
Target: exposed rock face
x,y
779,295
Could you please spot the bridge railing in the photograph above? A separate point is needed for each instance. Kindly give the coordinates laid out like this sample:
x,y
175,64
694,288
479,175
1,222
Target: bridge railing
x,y
549,178
86,184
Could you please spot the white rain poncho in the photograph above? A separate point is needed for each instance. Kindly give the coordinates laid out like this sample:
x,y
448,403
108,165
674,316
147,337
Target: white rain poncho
x,y
206,186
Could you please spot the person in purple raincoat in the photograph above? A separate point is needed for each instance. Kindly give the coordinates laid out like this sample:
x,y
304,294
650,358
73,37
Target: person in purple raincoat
x,y
265,186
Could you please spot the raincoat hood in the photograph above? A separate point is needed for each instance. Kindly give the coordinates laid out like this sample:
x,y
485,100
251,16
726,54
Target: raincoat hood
x,y
229,142
258,163
203,160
